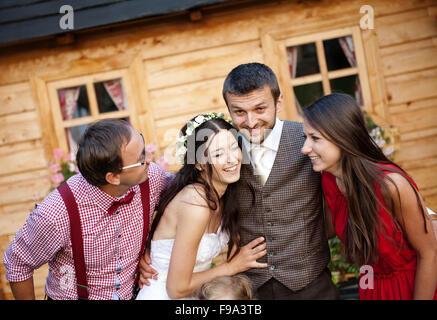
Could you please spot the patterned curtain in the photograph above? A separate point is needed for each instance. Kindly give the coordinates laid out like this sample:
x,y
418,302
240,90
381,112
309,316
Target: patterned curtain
x,y
115,91
347,45
292,53
68,101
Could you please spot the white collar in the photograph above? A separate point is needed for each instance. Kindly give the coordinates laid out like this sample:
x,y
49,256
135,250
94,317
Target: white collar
x,y
272,140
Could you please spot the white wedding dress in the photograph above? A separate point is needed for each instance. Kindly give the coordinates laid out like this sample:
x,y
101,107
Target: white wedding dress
x,y
210,246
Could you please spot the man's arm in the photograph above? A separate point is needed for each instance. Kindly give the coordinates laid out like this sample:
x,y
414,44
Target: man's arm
x,y
23,290
35,244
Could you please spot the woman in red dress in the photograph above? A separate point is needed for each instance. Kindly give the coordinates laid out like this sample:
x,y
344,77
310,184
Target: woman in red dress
x,y
375,207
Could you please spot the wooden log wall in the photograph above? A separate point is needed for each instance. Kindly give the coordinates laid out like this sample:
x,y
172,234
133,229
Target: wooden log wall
x,y
178,67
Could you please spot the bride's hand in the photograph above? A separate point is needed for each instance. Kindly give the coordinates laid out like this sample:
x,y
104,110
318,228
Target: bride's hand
x,y
146,271
246,258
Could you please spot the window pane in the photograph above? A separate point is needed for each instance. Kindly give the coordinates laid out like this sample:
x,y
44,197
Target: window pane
x,y
339,53
349,85
110,95
302,60
73,136
307,93
74,102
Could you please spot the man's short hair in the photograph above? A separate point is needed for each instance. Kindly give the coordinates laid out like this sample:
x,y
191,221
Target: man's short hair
x,y
245,78
99,149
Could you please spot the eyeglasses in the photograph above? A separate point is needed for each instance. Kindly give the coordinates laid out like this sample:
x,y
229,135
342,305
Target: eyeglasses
x,y
138,164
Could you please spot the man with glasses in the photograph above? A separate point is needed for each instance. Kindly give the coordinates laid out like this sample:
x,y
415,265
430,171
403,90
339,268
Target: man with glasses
x,y
115,186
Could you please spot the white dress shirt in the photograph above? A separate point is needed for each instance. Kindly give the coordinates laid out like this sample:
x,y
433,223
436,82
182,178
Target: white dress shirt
x,y
271,145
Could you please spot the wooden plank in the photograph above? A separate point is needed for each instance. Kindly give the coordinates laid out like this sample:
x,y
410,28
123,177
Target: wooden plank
x,y
23,191
409,57
413,105
429,192
200,65
418,164
12,222
41,97
375,77
168,128
19,127
23,161
20,146
419,134
140,88
424,177
404,27
413,120
25,207
24,176
412,86
187,99
417,149
431,202
15,98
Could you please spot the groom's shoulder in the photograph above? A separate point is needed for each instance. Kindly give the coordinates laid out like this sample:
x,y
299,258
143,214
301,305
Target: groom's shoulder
x,y
292,127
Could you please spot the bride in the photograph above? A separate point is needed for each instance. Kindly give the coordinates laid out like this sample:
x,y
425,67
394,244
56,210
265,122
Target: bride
x,y
197,217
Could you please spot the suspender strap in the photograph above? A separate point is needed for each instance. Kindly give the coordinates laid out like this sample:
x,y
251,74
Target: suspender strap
x,y
76,240
76,233
145,200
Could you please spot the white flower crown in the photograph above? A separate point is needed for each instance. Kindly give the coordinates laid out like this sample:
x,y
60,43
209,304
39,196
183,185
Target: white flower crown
x,y
191,126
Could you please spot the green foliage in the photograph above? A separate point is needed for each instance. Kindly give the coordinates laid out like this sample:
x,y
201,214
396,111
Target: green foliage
x,y
338,263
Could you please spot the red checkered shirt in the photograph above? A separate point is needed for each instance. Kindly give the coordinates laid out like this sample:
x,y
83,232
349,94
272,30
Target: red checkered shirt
x,y
112,243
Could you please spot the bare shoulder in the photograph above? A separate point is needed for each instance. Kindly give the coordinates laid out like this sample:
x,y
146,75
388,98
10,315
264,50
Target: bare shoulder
x,y
193,194
398,182
190,203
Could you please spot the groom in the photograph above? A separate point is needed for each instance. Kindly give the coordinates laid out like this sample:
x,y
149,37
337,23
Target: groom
x,y
280,196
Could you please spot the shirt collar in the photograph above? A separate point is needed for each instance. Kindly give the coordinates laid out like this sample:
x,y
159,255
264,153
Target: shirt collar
x,y
101,198
271,141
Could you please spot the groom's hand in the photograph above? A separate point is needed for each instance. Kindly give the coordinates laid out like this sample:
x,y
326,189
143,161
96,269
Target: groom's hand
x,y
146,271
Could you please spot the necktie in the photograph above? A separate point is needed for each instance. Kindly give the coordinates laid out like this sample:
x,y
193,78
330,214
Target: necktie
x,y
114,206
261,168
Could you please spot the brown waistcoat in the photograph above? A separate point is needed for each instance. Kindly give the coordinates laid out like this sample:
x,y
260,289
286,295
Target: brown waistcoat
x,y
287,211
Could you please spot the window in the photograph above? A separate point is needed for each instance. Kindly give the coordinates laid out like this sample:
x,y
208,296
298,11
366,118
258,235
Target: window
x,y
325,63
80,101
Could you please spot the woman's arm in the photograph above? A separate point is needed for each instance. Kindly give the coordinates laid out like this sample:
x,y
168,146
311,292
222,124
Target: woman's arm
x,y
409,214
329,226
191,225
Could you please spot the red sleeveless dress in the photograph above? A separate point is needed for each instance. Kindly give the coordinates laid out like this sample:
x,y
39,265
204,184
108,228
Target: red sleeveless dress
x,y
395,271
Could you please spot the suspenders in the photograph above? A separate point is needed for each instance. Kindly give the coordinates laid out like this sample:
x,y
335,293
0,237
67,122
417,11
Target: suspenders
x,y
76,233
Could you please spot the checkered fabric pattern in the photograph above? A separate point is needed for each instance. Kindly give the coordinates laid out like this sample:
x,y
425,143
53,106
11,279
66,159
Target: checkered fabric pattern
x,y
112,243
287,211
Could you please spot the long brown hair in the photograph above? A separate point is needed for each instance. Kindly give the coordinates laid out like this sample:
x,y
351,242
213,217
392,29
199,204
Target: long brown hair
x,y
340,120
189,174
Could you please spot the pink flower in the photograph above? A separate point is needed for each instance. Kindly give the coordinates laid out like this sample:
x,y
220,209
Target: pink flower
x,y
58,153
151,147
163,163
55,167
57,178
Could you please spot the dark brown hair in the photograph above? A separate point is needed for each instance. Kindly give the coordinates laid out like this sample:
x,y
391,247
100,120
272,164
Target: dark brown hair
x,y
99,149
189,174
245,78
340,120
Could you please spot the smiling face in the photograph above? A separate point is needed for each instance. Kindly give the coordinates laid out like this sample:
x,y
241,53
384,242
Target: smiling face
x,y
324,155
254,113
224,155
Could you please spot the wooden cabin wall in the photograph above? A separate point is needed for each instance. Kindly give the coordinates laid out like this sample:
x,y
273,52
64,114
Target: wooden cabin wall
x,y
179,67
